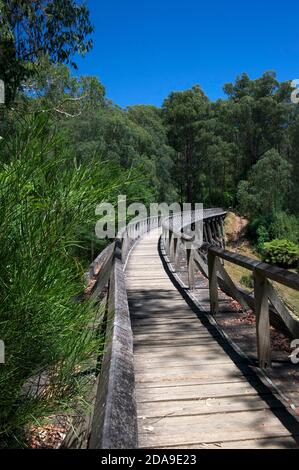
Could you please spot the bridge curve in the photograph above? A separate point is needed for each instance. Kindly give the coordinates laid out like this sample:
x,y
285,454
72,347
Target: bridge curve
x,y
169,376
190,393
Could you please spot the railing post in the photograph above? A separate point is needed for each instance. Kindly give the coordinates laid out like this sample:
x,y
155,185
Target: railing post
x,y
173,248
205,236
209,233
261,299
168,243
190,261
222,232
177,253
124,246
213,283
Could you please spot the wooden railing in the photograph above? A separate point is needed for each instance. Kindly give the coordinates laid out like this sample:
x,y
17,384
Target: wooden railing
x,y
113,421
209,259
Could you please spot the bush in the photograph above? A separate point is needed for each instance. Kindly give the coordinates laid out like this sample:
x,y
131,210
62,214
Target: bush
x,y
284,253
284,226
247,281
46,202
258,230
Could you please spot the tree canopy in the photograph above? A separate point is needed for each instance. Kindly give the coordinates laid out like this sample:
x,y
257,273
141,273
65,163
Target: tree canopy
x,y
31,29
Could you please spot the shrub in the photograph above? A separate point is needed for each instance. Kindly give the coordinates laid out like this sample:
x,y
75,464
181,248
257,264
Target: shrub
x,y
284,253
247,281
284,226
46,202
258,231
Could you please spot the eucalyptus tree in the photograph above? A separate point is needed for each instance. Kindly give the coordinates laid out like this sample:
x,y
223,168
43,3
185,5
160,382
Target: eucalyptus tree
x,y
256,113
268,186
30,29
184,115
159,152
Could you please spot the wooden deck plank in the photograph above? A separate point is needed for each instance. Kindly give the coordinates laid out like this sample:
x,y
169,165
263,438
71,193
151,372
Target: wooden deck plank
x,y
190,393
209,406
224,427
265,443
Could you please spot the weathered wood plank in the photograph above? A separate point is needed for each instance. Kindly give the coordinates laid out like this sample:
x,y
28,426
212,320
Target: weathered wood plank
x,y
209,406
261,295
228,427
213,284
263,443
195,392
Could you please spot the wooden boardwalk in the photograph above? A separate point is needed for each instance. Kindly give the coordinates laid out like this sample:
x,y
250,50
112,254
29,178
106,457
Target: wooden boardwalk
x,y
190,392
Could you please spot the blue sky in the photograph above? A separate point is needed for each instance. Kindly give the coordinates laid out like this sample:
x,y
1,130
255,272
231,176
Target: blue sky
x,y
145,49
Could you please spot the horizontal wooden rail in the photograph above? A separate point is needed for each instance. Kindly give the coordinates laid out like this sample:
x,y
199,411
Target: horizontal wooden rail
x,y
282,276
209,259
264,294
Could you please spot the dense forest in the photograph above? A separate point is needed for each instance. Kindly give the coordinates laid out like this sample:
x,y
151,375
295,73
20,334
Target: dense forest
x,y
65,147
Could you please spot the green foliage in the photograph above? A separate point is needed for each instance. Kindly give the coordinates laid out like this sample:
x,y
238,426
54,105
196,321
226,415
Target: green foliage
x,y
46,202
284,226
258,229
247,281
242,150
267,187
31,28
56,91
184,114
256,116
281,252
277,225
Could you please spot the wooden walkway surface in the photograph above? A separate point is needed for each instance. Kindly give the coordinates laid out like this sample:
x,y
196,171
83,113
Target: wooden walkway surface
x,y
190,392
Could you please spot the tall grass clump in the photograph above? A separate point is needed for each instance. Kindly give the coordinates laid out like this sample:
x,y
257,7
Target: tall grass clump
x,y
47,202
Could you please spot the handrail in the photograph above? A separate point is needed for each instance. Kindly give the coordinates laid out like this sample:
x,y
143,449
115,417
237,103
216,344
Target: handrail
x,y
280,275
264,292
178,222
266,303
113,423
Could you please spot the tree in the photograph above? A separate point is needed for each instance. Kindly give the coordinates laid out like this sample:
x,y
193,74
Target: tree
x,y
31,29
55,90
184,115
160,153
257,112
268,186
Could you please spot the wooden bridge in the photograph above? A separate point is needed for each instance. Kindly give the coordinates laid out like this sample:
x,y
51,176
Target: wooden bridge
x,y
170,376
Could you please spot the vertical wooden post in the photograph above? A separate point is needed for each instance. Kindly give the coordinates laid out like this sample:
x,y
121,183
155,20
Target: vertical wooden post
x,y
124,250
173,248
177,253
220,235
261,298
217,237
169,242
222,232
209,231
205,236
190,262
213,283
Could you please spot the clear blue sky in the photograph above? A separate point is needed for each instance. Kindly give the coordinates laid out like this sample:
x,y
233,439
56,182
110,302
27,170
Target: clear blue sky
x,y
145,49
